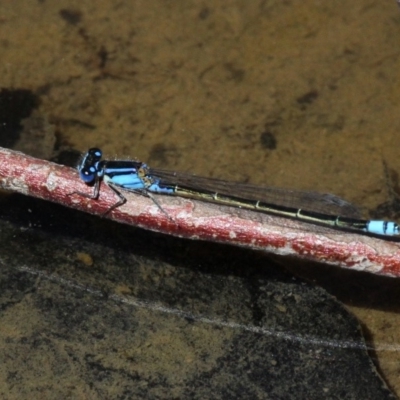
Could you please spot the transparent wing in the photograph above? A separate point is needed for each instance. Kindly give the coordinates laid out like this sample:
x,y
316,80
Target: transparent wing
x,y
312,201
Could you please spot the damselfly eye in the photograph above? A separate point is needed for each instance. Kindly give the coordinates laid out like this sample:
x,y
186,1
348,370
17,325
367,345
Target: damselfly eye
x,y
88,175
95,153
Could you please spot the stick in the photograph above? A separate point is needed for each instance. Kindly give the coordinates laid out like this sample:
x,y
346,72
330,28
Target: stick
x,y
202,221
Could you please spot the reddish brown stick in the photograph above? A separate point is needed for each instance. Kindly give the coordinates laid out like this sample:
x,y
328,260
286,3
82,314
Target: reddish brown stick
x,y
199,220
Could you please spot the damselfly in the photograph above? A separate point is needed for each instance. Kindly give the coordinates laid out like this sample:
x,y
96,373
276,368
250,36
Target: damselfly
x,y
312,207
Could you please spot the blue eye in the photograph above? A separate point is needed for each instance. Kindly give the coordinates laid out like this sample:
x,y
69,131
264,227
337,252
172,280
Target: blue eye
x,y
95,153
88,175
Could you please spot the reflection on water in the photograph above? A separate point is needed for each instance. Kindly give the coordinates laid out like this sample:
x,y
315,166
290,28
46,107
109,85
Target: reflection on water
x,y
148,305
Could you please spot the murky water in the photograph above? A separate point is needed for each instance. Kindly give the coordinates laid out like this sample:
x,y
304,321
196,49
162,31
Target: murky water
x,y
284,93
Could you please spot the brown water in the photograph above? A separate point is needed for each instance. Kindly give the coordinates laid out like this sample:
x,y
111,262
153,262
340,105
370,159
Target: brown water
x,y
285,93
